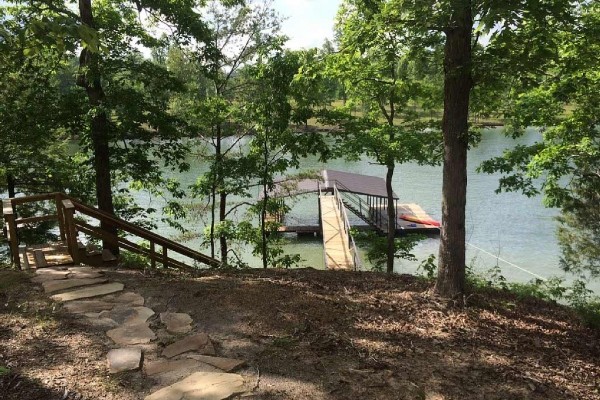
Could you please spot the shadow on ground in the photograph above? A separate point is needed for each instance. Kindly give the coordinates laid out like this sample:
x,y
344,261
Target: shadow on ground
x,y
338,335
47,354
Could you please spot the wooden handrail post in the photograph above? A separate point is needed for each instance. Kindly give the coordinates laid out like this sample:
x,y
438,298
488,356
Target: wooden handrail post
x,y
165,257
152,255
11,231
71,230
60,215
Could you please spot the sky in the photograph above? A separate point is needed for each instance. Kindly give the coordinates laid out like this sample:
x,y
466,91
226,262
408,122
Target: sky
x,y
307,22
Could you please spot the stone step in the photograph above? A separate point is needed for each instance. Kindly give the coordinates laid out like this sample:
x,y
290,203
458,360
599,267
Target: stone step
x,y
103,324
104,303
176,322
225,364
121,360
128,298
162,366
199,343
49,274
167,372
124,314
60,285
131,333
88,306
93,291
202,386
85,271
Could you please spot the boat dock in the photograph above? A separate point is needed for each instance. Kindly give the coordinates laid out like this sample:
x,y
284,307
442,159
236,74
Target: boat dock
x,y
364,196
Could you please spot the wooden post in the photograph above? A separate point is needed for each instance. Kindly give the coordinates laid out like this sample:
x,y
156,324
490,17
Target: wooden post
x,y
320,214
360,206
71,230
152,255
165,257
60,215
11,225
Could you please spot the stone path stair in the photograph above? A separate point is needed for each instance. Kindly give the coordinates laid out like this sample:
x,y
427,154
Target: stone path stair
x,y
188,368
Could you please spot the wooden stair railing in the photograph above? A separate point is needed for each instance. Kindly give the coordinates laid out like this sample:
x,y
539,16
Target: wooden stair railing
x,y
361,209
67,209
12,223
347,228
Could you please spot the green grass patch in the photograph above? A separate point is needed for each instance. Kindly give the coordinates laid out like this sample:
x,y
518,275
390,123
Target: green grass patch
x,y
131,260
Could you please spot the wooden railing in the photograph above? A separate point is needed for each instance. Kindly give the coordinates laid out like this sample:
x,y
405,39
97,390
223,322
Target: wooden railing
x,y
68,211
12,223
362,209
320,192
351,243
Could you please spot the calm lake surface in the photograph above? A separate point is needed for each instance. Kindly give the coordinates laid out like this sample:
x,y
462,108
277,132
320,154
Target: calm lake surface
x,y
518,230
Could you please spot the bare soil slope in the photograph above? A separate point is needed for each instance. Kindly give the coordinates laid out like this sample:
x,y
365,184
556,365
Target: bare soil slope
x,y
315,335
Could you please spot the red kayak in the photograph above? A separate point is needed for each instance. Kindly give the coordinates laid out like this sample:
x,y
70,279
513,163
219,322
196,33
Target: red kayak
x,y
414,218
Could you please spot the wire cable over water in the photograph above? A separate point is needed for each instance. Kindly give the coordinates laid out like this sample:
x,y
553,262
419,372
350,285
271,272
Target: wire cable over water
x,y
508,262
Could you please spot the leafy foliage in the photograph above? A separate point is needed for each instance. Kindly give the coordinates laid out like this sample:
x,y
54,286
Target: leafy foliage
x,y
214,107
143,136
387,84
565,164
275,148
376,247
36,119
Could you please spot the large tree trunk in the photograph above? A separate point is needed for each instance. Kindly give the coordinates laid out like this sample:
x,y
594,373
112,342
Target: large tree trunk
x,y
222,217
213,192
213,215
263,213
391,219
457,88
89,79
222,190
12,185
263,228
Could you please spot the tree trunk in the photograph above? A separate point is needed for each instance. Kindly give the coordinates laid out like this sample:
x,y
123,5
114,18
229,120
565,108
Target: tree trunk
x,y
457,89
222,217
263,213
213,191
391,219
89,79
263,228
213,215
219,183
12,185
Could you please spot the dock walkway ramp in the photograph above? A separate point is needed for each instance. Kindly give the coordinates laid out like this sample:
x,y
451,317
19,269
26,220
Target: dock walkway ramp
x,y
338,254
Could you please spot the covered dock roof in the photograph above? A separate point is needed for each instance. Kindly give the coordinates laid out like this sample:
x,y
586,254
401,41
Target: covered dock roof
x,y
345,181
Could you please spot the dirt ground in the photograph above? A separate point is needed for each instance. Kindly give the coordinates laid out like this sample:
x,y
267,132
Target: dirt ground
x,y
314,335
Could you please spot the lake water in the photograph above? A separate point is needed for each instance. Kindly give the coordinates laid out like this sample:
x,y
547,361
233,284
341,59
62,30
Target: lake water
x,y
509,230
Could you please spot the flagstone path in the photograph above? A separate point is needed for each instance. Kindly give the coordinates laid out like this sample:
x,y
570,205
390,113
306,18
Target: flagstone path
x,y
188,368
